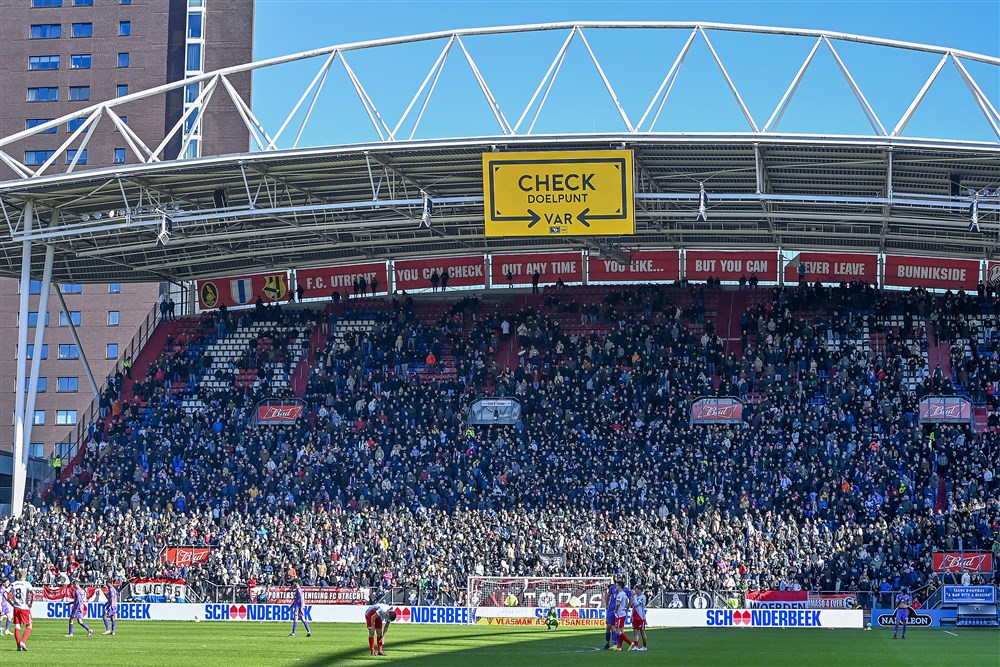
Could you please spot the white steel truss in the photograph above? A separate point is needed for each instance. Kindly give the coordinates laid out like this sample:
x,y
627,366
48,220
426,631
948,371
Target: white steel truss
x,y
266,139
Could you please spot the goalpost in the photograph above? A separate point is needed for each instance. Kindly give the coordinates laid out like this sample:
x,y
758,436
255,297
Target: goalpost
x,y
522,597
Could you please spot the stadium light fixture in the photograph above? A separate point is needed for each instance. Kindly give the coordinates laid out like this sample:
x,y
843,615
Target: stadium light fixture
x,y
702,204
425,217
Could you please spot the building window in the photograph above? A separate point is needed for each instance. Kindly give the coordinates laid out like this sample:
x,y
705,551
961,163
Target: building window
x,y
119,156
69,351
37,450
46,31
45,351
124,28
71,155
194,25
80,61
74,316
69,384
114,318
35,158
121,90
43,384
194,57
123,60
125,2
39,419
74,125
112,351
71,288
79,93
45,94
65,417
83,3
46,3
83,29
35,122
114,288
43,62
33,318
34,287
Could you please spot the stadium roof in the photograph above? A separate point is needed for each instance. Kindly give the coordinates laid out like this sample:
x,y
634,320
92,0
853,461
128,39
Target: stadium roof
x,y
289,207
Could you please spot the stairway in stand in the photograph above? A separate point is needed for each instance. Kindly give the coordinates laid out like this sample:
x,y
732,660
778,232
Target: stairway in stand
x,y
938,353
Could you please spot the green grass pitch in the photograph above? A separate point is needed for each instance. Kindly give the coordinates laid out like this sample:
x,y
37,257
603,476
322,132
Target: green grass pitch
x,y
178,644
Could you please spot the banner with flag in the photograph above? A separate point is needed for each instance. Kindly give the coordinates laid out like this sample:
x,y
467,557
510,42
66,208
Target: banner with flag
x,y
158,589
243,290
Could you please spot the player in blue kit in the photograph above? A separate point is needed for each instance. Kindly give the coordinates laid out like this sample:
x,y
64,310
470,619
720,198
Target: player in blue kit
x,y
5,611
610,632
298,606
77,611
903,602
111,609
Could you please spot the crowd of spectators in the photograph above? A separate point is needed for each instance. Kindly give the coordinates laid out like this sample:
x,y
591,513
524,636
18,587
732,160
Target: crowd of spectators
x,y
829,482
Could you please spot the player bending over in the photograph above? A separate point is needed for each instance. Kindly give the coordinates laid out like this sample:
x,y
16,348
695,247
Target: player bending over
x,y
20,597
5,611
377,618
299,609
76,612
111,609
610,634
621,613
639,617
552,618
903,602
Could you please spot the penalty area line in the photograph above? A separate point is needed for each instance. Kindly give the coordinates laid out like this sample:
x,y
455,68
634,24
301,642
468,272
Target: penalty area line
x,y
948,632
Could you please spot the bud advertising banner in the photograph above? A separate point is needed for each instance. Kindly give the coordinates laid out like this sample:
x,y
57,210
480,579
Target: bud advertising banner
x,y
278,414
185,556
551,267
413,274
831,267
945,410
954,561
731,266
243,290
931,272
344,279
717,410
644,266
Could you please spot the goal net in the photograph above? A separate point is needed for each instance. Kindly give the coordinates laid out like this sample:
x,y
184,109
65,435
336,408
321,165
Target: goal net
x,y
490,594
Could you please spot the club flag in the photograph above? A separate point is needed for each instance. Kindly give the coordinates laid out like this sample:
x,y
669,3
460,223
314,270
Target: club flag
x,y
702,206
241,290
275,287
974,217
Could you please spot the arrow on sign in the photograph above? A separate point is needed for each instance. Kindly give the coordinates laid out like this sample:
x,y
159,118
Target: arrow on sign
x,y
535,218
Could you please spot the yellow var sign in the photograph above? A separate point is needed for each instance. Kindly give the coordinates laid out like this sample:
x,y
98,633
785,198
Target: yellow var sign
x,y
573,193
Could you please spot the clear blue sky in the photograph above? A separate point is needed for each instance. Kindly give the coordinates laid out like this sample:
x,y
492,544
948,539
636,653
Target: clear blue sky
x,y
635,62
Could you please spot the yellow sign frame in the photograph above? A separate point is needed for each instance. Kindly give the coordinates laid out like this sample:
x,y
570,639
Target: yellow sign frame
x,y
564,193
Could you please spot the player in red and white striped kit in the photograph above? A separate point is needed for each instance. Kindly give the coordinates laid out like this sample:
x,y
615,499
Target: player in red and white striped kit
x,y
639,616
377,618
20,597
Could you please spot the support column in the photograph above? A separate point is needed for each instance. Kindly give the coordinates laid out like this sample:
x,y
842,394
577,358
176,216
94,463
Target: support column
x,y
76,339
20,472
36,360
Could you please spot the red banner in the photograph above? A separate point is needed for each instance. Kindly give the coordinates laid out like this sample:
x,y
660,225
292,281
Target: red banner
x,y
63,593
645,266
243,290
278,414
993,273
946,410
832,601
467,271
323,282
832,267
931,272
185,556
316,595
551,267
777,599
945,561
716,411
731,266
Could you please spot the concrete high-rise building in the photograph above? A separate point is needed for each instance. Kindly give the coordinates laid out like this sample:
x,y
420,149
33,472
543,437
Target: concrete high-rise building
x,y
59,56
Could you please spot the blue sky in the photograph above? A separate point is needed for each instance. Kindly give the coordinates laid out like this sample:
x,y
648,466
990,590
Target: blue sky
x,y
634,61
